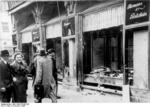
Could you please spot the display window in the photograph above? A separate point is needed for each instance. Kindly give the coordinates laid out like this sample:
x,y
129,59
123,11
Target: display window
x,y
102,56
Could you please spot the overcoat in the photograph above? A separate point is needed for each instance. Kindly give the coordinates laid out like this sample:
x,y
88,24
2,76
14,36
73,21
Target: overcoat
x,y
20,85
5,81
44,75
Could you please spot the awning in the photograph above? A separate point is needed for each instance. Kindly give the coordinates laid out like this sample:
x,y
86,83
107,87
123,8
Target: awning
x,y
27,37
27,34
54,30
106,18
29,28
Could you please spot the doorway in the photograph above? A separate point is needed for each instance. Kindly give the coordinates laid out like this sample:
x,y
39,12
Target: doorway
x,y
26,50
140,56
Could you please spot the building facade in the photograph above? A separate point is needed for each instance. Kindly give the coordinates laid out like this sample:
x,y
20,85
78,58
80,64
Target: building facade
x,y
5,28
103,45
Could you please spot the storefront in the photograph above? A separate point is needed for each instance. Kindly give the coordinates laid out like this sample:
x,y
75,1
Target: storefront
x,y
30,42
53,41
137,40
69,50
102,46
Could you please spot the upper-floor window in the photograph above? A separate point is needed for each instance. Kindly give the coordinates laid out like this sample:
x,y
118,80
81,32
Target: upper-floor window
x,y
5,27
3,6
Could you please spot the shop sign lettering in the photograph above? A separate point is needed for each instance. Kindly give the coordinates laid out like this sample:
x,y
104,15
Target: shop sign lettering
x,y
137,11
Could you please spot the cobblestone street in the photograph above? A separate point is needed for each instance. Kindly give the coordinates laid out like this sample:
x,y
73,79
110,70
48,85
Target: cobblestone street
x,y
71,96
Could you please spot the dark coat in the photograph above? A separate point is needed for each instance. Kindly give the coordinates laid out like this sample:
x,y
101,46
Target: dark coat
x,y
54,73
54,70
5,80
20,86
44,75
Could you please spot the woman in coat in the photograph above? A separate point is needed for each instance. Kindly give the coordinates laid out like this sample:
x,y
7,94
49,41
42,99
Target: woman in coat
x,y
44,76
19,79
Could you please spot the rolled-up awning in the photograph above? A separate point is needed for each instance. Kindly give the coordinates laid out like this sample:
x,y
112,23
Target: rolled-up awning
x,y
112,16
27,37
27,34
54,30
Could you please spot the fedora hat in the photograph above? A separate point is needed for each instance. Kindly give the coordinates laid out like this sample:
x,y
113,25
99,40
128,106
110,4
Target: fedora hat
x,y
4,53
42,52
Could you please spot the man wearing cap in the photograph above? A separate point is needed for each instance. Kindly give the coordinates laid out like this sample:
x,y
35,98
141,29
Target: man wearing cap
x,y
5,78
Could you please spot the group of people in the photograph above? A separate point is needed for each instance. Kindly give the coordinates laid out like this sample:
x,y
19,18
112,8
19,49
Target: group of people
x,y
13,78
14,81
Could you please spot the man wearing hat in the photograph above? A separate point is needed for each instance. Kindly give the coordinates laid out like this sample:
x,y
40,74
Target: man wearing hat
x,y
52,56
45,77
5,77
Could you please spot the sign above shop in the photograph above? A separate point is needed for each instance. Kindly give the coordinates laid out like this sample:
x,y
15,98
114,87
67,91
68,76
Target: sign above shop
x,y
137,11
68,27
35,35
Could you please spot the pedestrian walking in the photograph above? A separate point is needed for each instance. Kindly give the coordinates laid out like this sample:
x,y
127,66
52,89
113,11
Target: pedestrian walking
x,y
52,56
19,78
33,66
45,78
5,78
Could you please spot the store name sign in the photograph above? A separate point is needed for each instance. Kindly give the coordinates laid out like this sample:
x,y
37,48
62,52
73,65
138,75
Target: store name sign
x,y
68,27
137,11
35,35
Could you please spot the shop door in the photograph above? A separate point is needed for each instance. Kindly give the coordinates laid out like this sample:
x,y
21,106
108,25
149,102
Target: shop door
x,y
26,50
140,56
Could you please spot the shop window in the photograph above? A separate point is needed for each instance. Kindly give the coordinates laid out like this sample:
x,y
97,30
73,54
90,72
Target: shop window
x,y
102,49
3,6
129,49
102,57
97,51
106,49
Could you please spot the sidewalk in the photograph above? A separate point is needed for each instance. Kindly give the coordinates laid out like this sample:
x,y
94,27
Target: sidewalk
x,y
71,96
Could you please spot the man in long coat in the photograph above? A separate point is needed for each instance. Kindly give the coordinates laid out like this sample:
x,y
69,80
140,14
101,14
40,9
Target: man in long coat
x,y
52,56
5,78
44,76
